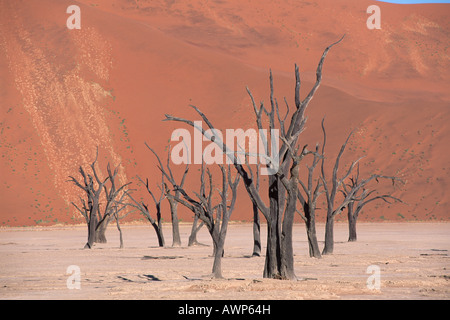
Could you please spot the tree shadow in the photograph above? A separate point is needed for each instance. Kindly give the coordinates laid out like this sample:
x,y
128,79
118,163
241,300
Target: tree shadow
x,y
147,277
160,257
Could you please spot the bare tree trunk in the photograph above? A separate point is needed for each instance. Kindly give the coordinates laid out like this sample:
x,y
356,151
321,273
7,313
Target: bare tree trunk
x,y
351,223
256,232
313,244
273,254
193,236
176,240
157,225
256,220
218,254
116,215
92,224
309,203
120,235
159,233
329,236
287,251
100,231
219,237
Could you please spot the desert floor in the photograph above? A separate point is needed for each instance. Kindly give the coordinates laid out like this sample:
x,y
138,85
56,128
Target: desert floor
x,y
413,259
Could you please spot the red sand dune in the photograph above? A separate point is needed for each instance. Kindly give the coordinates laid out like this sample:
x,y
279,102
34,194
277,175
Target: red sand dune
x,y
63,92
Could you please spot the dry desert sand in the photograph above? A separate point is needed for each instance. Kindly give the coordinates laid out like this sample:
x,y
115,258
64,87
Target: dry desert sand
x,y
413,259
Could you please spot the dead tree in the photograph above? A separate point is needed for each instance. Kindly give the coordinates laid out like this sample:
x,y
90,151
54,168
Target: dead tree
x,y
276,258
291,184
113,205
256,220
312,193
335,207
355,207
173,201
312,190
116,216
97,221
117,207
143,208
196,226
218,226
176,240
215,216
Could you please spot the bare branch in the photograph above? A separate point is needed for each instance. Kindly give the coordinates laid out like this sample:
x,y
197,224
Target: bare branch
x,y
248,182
308,98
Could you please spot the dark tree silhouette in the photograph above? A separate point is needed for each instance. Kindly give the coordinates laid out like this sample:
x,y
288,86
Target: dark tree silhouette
x,y
173,201
143,208
334,207
215,216
256,220
361,199
176,240
277,259
196,226
312,189
98,217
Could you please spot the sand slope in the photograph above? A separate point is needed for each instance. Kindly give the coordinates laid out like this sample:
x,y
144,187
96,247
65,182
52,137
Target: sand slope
x,y
63,92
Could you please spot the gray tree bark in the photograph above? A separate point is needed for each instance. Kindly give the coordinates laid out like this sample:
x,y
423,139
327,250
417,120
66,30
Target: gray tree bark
x,y
275,261
93,188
